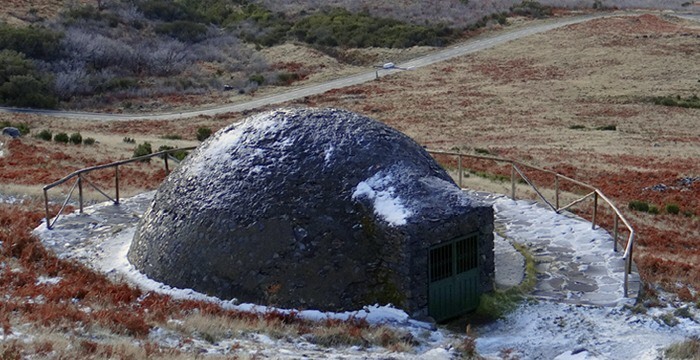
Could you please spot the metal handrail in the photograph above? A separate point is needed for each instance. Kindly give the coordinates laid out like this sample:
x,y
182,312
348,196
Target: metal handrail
x,y
82,172
595,192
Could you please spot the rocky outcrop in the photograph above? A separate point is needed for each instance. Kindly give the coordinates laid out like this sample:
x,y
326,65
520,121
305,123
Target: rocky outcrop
x,y
307,208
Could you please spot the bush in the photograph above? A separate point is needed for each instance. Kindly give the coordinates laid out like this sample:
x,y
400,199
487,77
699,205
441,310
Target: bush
x,y
21,84
45,135
577,127
76,138
638,205
531,9
180,154
171,137
653,210
203,133
690,102
34,42
257,78
129,140
142,150
673,209
61,137
185,31
339,27
167,10
607,128
89,141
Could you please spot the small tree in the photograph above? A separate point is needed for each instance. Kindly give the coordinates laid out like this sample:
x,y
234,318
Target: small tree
x,y
203,133
76,138
62,138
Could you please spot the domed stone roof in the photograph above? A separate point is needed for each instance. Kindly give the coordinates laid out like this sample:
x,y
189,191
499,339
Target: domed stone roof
x,y
304,208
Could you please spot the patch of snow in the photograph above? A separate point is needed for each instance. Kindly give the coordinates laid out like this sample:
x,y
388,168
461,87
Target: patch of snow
x,y
328,155
48,280
386,204
549,330
218,152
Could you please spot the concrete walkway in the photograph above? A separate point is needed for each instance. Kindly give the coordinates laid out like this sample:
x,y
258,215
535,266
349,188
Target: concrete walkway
x,y
575,264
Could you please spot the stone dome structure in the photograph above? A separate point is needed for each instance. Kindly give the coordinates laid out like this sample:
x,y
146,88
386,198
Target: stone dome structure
x,y
308,208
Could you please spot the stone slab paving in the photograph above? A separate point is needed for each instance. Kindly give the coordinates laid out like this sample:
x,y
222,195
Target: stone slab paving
x,y
574,262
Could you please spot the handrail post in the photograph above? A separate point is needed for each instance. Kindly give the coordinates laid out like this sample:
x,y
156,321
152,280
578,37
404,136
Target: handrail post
x,y
556,190
459,168
116,184
167,171
46,203
595,209
615,233
629,258
625,281
80,191
512,181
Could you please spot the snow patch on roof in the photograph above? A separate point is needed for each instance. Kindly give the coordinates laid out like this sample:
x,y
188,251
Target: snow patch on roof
x,y
387,204
218,151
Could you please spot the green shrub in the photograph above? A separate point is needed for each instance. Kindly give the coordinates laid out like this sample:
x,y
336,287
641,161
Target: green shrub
x,y
689,102
531,9
639,205
180,154
89,141
339,27
168,10
76,138
203,133
129,140
62,138
482,151
22,85
34,42
287,78
577,127
683,312
669,319
45,135
607,128
257,78
653,209
118,83
185,31
672,209
142,150
171,137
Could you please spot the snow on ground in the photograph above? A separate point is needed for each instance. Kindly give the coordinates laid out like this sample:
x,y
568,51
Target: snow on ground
x,y
536,330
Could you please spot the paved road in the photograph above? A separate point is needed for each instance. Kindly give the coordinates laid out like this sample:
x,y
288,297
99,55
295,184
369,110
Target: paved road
x,y
442,55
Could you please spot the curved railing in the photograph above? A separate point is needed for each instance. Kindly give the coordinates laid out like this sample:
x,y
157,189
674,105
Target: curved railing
x,y
516,170
80,176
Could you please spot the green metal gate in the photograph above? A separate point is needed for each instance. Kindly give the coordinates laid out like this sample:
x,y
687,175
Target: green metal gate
x,y
454,278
